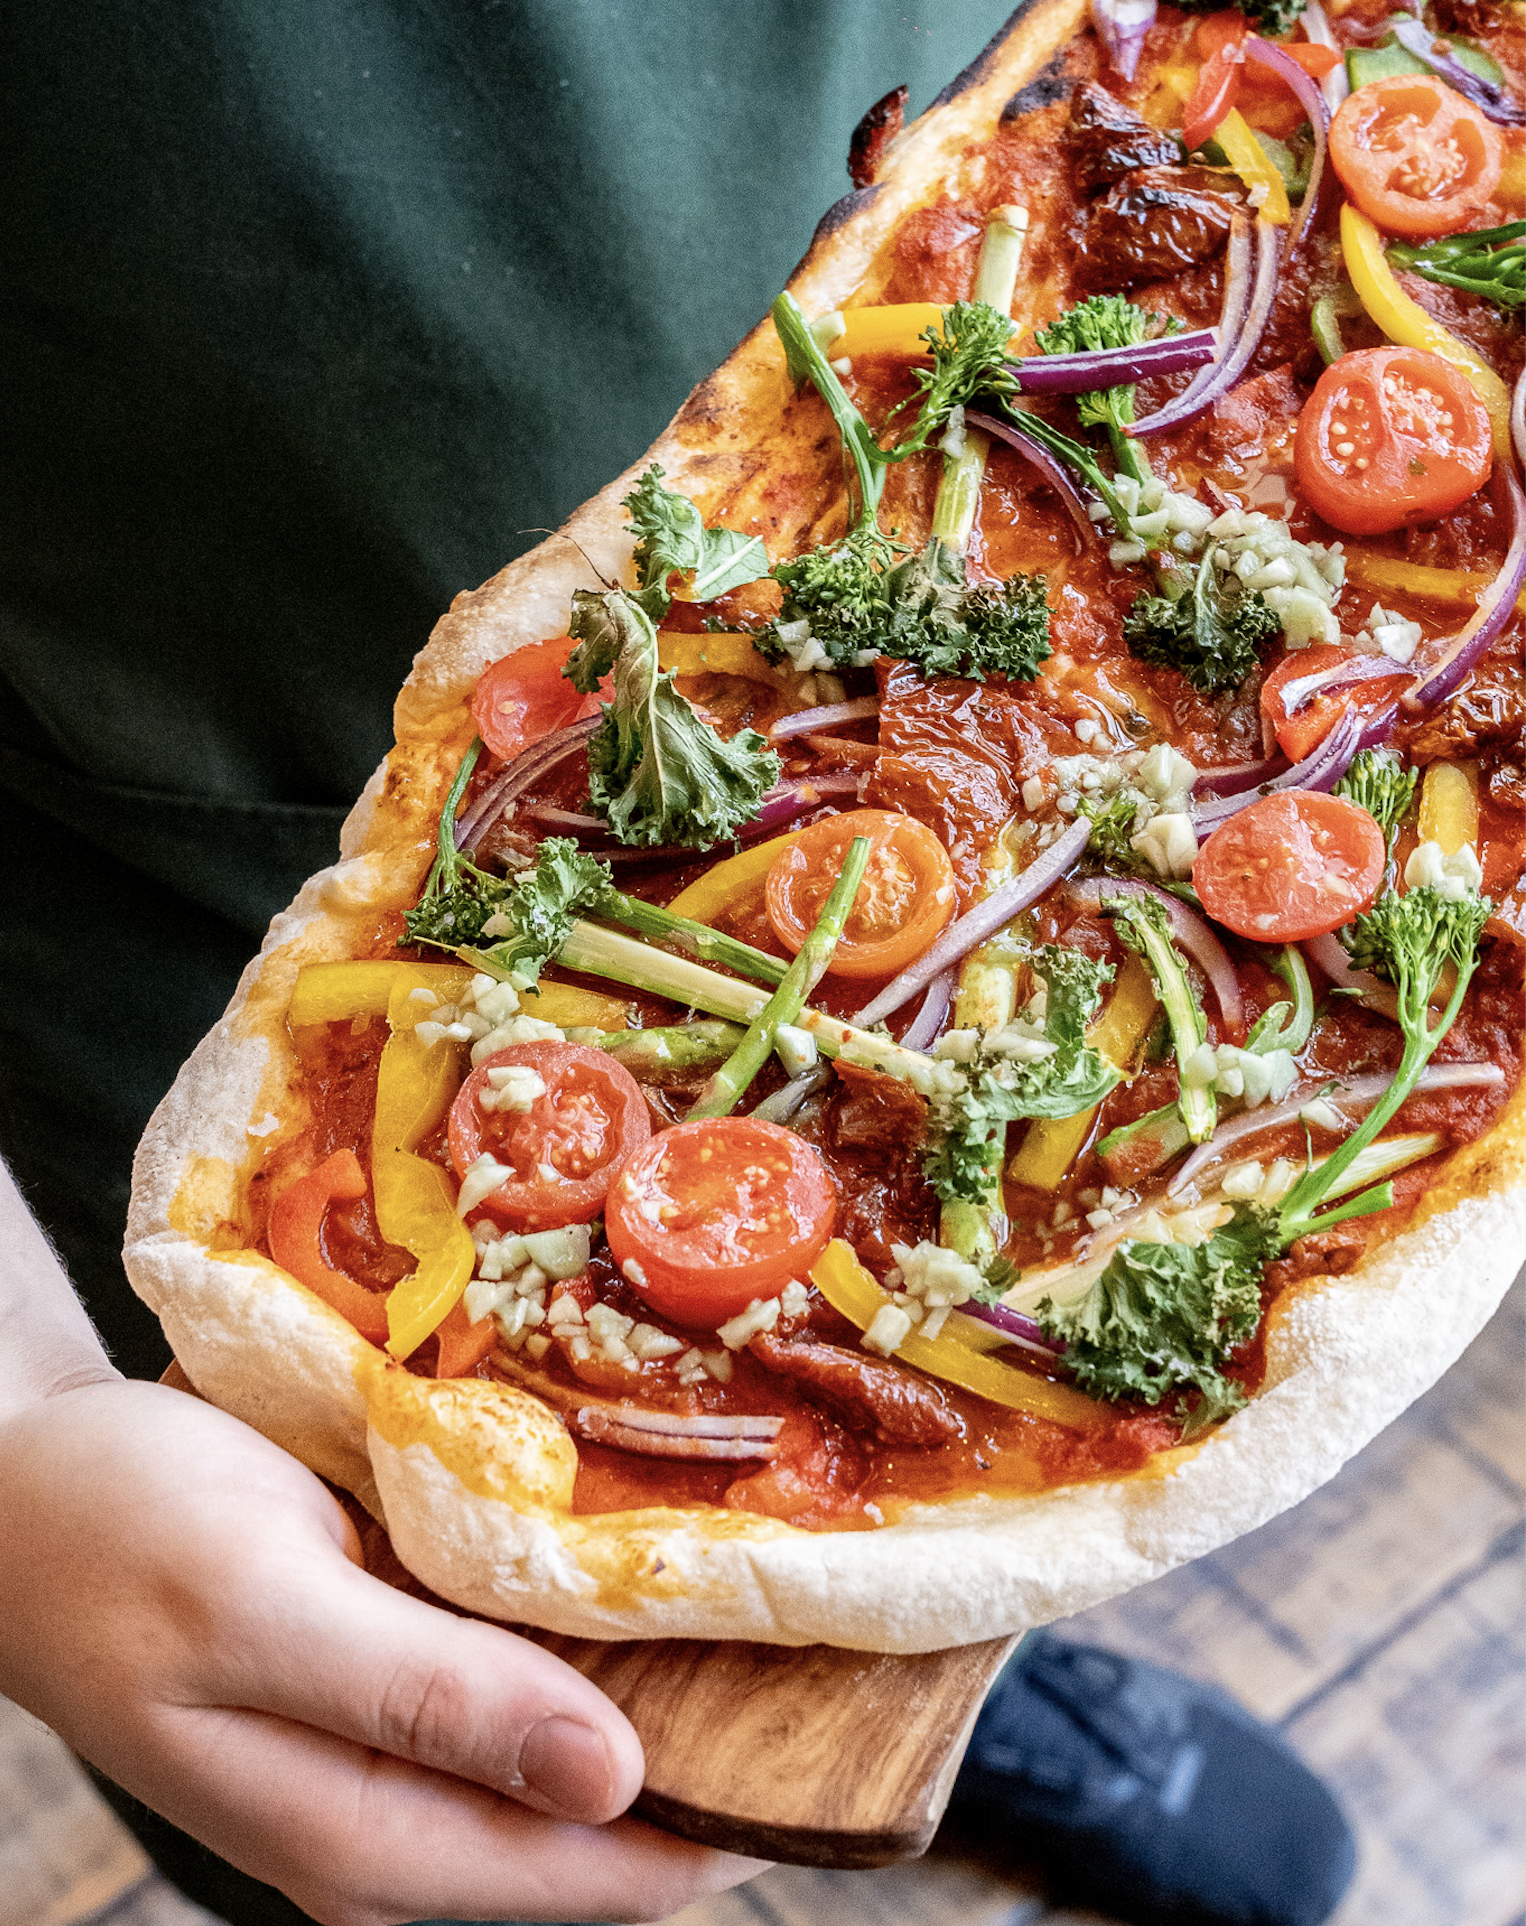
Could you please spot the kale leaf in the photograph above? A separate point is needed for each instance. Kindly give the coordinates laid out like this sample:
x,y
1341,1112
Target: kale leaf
x,y
1271,18
672,540
1211,631
657,772
538,909
1167,1317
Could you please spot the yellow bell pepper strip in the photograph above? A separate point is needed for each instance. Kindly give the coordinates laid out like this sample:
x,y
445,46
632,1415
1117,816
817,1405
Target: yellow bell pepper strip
x,y
1254,165
572,1008
1387,575
738,876
1052,1144
1449,807
717,655
850,1289
415,1200
895,329
1407,324
330,992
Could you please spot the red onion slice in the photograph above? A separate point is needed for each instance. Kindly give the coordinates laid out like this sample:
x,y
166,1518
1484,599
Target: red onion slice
x,y
1263,54
1013,1326
1190,931
1223,375
1043,461
653,1434
513,780
1495,607
1329,953
805,720
1235,776
985,919
1518,421
1322,769
1235,307
1121,26
1356,668
1417,38
1360,1094
926,1024
1077,374
1316,24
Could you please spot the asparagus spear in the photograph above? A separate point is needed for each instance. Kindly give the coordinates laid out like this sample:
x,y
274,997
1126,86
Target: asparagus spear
x,y
669,1048
729,1084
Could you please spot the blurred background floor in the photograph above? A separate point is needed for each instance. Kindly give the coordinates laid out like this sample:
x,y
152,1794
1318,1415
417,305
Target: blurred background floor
x,y
1379,1626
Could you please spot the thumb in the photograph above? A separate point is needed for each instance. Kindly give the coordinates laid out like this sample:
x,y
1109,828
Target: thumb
x,y
326,1644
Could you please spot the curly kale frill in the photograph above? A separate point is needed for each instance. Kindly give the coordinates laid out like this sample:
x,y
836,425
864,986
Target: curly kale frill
x,y
657,772
1212,631
1168,1318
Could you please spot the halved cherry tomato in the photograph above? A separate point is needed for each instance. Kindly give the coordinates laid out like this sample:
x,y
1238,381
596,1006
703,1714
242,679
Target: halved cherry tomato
x,y
906,897
524,696
711,1214
564,1148
1414,155
1221,40
1312,720
1293,865
1389,438
295,1236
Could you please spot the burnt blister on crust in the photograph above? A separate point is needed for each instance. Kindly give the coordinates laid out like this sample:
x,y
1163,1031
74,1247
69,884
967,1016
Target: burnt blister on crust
x,y
874,133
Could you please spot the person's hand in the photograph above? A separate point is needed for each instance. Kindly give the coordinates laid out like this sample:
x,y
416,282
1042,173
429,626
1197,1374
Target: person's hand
x,y
182,1601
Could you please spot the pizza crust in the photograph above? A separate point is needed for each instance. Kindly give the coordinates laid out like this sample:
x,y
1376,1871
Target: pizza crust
x,y
474,1479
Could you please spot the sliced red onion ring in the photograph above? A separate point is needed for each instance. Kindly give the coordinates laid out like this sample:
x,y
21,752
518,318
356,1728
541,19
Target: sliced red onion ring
x,y
805,720
1223,374
1322,769
654,1434
1236,304
1190,930
1012,1324
1121,26
1235,776
1356,668
985,919
1329,953
1077,374
1417,38
1316,24
781,1107
1043,461
780,806
1262,53
1360,1094
516,777
925,1025
1518,421
1495,607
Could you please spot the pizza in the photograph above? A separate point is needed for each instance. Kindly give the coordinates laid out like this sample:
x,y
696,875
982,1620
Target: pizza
x,y
924,1020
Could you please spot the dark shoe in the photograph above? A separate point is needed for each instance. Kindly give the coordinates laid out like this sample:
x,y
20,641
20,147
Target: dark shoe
x,y
1136,1791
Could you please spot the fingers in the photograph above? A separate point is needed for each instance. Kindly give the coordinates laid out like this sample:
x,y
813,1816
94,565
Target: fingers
x,y
360,1840
329,1646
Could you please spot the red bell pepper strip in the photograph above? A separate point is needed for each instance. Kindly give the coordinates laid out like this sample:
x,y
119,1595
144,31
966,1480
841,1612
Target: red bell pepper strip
x,y
295,1234
1221,39
463,1345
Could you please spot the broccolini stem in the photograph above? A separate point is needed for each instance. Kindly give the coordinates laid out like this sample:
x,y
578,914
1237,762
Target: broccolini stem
x,y
730,1083
1420,1040
958,501
806,362
711,946
673,1047
1143,926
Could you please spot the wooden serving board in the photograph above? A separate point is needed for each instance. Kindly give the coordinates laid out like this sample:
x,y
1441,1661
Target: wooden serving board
x,y
807,1754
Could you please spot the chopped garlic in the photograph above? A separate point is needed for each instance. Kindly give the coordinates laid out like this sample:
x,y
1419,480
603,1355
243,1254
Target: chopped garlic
x,y
762,1314
890,1330
1243,1181
1389,633
934,1275
1456,876
794,1299
485,1176
1169,844
511,1086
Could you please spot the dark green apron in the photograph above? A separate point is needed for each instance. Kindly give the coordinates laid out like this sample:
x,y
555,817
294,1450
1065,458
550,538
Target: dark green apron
x,y
315,313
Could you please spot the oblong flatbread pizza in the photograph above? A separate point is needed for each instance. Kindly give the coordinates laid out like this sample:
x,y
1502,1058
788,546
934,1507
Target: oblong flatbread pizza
x,y
924,1021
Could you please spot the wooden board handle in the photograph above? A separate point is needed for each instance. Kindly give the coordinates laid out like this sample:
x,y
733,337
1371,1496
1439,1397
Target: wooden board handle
x,y
808,1754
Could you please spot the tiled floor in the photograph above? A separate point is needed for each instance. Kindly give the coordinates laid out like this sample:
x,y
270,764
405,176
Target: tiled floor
x,y
1379,1625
